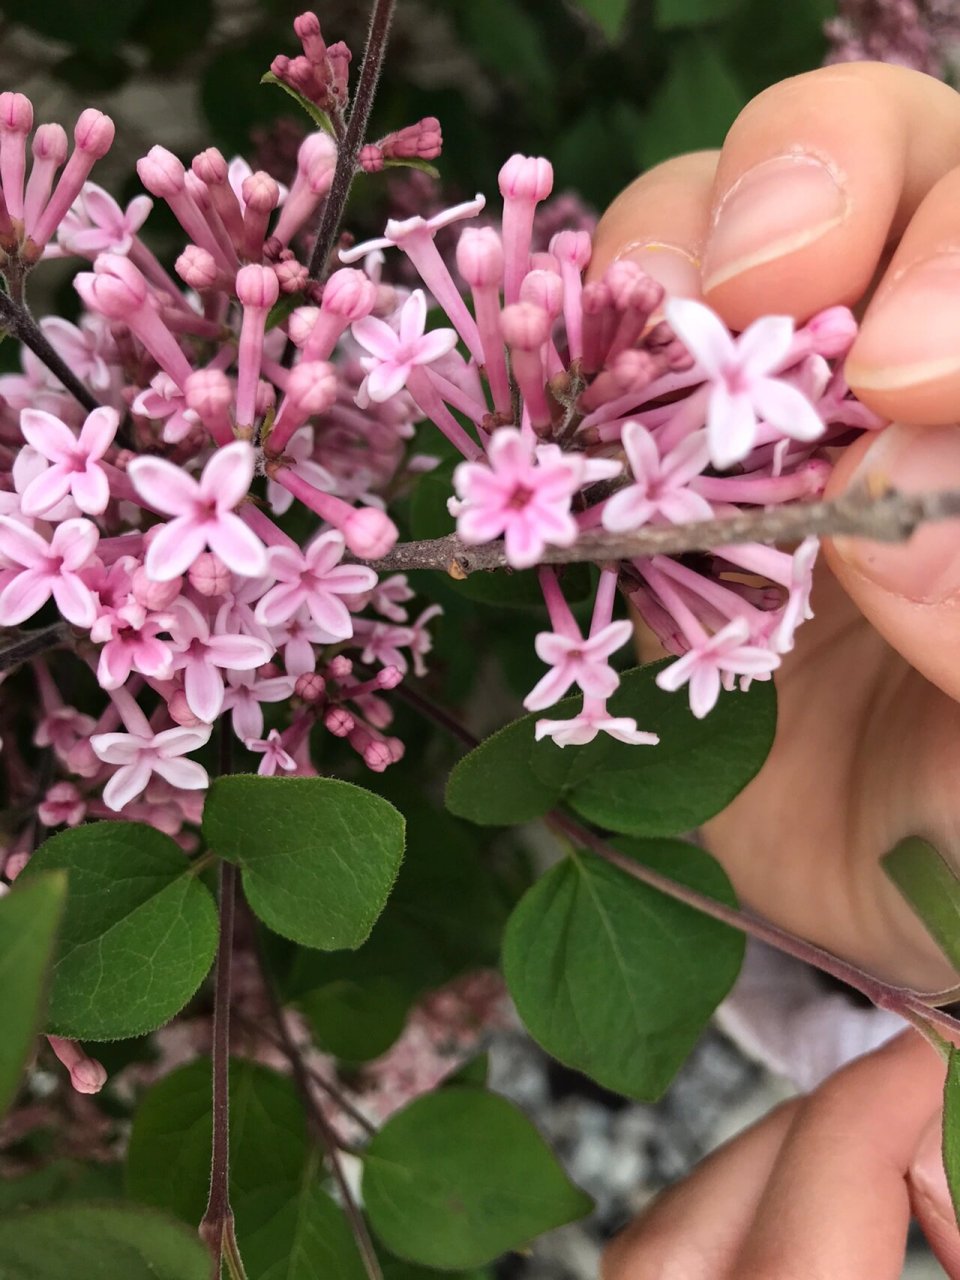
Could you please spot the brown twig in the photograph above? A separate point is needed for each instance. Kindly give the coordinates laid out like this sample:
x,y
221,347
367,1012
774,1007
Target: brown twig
x,y
24,645
17,320
890,517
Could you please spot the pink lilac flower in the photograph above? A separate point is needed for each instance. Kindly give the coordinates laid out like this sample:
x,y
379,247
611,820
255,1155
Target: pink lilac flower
x,y
201,651
574,660
742,392
660,490
140,755
522,492
42,569
129,638
315,580
165,402
395,352
729,650
74,461
594,719
97,224
275,756
87,1075
203,513
245,693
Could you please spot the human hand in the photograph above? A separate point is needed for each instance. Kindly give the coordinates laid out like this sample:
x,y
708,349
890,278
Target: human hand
x,y
840,186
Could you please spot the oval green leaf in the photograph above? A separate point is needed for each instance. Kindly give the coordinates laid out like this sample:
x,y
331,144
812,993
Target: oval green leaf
x,y
28,928
461,1176
612,977
951,1129
138,934
318,856
102,1242
932,889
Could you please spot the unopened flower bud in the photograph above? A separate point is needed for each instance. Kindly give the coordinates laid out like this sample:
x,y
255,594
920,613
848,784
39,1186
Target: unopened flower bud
x,y
310,686
370,158
339,722
350,294
257,286
340,667
16,113
291,275
480,257
209,575
161,172
94,133
260,192
312,386
155,595
369,533
832,331
307,30
525,325
301,323
317,160
115,287
196,268
526,178
180,712
574,247
543,289
389,677
50,143
208,392
210,167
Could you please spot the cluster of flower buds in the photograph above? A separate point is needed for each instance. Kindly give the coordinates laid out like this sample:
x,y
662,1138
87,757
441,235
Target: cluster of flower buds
x,y
420,141
320,74
634,409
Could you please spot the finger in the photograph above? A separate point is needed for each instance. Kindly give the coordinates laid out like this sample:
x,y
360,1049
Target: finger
x,y
930,1197
909,591
695,1229
837,1203
659,222
905,362
815,175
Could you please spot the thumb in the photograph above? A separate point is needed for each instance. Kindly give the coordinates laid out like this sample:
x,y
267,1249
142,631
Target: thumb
x,y
909,591
930,1198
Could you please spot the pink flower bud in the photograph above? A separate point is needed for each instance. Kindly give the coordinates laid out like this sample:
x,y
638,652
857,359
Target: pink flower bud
x,y
525,325
209,575
631,288
340,667
350,294
370,158
265,398
292,276
369,533
543,289
480,257
389,677
257,286
310,686
377,756
339,56
339,722
180,712
312,386
88,1076
16,113
526,178
50,143
115,287
155,595
301,323
161,172
307,30
196,268
572,246
210,167
316,161
94,133
832,331
261,193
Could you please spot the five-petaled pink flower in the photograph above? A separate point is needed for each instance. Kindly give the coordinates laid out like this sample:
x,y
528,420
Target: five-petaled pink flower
x,y
314,579
393,355
728,650
142,755
75,462
659,491
97,224
47,569
275,755
574,660
742,392
521,492
203,513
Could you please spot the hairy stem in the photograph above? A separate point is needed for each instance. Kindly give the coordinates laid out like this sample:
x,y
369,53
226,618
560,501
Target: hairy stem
x,y
24,645
17,320
890,517
352,141
217,1225
321,1129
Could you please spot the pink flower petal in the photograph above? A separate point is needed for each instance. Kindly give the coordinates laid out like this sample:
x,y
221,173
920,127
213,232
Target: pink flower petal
x,y
117,748
377,337
386,380
174,549
23,596
97,433
702,332
126,784
280,603
549,688
180,740
226,477
187,775
21,545
434,345
732,426
164,487
330,613
627,510
47,489
203,686
75,600
763,345
413,317
787,409
237,545
642,452
242,653
75,542
91,490
48,435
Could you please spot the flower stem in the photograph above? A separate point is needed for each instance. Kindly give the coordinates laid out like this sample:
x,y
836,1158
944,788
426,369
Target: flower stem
x,y
217,1225
25,645
16,319
352,141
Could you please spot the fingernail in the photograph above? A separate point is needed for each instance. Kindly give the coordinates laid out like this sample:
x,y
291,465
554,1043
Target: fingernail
x,y
676,269
911,333
774,209
927,1173
917,460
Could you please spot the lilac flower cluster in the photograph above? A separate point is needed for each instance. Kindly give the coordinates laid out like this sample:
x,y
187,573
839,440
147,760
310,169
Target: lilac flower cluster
x,y
158,524
922,34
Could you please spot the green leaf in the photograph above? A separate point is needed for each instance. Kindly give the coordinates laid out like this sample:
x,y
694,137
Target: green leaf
x,y
413,162
669,14
318,856
932,889
59,1182
695,105
287,1228
28,926
609,15
139,931
102,1242
612,977
695,771
951,1128
459,1177
356,1021
318,116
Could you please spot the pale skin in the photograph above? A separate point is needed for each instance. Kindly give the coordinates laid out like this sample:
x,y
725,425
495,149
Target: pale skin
x,y
861,207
